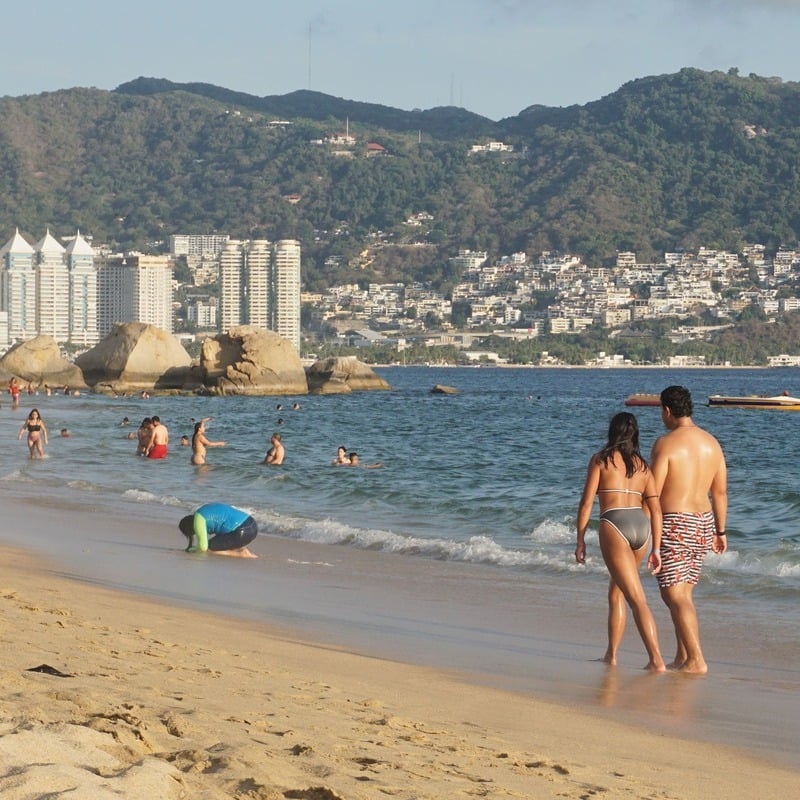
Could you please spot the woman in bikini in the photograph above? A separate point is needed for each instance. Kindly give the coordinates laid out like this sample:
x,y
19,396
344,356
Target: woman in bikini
x,y
143,436
621,478
200,442
36,429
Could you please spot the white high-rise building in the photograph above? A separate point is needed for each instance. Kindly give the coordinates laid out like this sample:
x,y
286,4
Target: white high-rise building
x,y
258,262
285,291
135,288
52,289
231,285
48,289
18,288
259,284
82,293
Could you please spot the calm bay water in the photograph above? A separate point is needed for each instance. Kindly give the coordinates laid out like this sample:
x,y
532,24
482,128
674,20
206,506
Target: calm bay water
x,y
491,475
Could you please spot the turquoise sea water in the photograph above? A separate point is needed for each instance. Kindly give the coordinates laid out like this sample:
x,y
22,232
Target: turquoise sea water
x,y
491,475
458,552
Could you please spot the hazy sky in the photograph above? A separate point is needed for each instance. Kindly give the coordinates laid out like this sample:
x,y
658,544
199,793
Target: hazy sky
x,y
494,57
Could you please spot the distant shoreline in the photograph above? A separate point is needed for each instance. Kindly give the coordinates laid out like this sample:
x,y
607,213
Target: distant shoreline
x,y
571,366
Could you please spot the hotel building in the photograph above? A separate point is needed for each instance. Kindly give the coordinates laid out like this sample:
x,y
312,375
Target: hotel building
x,y
48,289
135,288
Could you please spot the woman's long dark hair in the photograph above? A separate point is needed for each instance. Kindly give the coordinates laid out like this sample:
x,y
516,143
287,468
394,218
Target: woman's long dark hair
x,y
623,438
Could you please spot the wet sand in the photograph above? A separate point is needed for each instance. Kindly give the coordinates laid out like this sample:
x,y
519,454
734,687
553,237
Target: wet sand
x,y
348,672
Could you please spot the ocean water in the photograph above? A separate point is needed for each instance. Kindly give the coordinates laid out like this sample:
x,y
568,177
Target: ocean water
x,y
491,475
458,551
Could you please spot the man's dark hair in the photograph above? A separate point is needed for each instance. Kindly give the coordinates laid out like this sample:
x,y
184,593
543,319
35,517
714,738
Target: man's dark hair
x,y
678,400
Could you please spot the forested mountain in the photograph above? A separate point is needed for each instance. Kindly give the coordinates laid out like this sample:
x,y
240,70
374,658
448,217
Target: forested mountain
x,y
663,163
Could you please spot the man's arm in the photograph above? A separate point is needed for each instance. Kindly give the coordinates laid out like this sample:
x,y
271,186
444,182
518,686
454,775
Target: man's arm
x,y
719,505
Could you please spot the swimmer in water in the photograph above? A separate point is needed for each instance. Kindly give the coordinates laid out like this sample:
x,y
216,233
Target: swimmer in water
x,y
221,529
37,430
276,452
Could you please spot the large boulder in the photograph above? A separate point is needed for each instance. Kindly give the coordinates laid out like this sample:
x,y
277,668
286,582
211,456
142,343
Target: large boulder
x,y
134,357
342,375
252,361
39,361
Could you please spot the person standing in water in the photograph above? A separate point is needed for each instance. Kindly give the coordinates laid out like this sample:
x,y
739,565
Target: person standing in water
x,y
620,477
276,452
200,442
37,431
159,439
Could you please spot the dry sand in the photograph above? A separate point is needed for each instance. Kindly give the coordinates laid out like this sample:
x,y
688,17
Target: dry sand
x,y
156,701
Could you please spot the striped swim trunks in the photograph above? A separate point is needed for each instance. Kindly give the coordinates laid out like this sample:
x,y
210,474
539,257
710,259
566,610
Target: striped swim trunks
x,y
685,540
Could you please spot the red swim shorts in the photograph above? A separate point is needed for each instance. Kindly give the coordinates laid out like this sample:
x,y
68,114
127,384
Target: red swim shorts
x,y
158,451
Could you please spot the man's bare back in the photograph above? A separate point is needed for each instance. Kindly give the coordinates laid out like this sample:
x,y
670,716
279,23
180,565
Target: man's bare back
x,y
687,464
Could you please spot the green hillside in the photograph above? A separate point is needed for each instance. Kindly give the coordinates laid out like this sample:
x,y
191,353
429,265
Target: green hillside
x,y
664,163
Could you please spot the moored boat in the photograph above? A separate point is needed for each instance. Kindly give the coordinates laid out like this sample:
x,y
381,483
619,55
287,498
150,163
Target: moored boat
x,y
784,402
643,399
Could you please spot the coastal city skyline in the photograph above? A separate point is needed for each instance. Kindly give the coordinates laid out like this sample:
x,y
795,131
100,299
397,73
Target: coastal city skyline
x,y
76,293
493,57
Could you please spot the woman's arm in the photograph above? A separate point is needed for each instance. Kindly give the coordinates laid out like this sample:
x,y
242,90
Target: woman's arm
x,y
653,503
585,508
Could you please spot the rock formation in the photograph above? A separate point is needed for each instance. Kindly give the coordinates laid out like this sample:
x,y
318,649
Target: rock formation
x,y
135,357
252,361
341,376
39,361
441,388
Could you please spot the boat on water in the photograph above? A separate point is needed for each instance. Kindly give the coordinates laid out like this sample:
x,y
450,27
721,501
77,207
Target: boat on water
x,y
643,399
784,402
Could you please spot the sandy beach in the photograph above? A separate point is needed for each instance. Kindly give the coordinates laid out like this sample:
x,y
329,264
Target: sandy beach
x,y
109,694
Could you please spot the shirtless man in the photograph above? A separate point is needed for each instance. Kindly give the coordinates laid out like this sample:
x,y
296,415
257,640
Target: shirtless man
x,y
159,439
276,453
691,478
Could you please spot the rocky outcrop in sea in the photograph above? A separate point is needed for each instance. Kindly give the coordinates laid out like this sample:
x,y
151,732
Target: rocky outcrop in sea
x,y
342,375
39,361
251,361
136,357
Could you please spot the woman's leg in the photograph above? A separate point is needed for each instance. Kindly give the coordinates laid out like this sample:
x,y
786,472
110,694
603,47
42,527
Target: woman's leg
x,y
617,614
623,566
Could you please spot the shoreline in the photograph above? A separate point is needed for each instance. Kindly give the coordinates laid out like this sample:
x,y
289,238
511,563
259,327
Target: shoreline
x,y
189,703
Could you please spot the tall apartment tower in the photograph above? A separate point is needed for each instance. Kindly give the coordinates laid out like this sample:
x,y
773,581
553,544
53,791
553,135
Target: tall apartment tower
x,y
82,293
231,284
52,289
258,265
18,288
135,288
285,291
260,285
